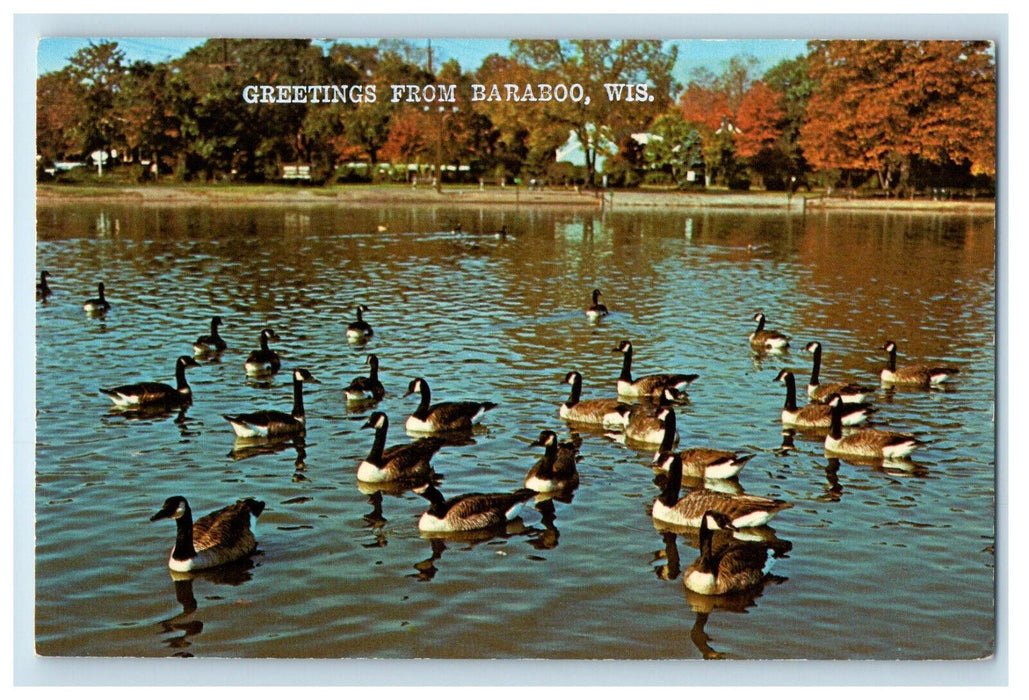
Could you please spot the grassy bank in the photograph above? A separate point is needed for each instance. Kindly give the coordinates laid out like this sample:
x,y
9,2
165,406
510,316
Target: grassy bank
x,y
470,195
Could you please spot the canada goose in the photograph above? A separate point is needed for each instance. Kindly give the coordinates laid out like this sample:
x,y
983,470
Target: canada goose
x,y
155,393
359,331
650,385
366,388
609,413
816,415
923,375
647,424
265,361
210,343
743,510
406,462
472,511
597,310
699,462
42,288
555,470
217,538
275,424
728,565
761,339
877,444
445,416
850,392
100,305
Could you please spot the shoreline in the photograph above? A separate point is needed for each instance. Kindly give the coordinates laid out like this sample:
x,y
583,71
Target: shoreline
x,y
469,195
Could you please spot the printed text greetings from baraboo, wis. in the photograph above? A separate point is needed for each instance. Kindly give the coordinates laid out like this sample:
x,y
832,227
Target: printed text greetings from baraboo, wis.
x,y
442,93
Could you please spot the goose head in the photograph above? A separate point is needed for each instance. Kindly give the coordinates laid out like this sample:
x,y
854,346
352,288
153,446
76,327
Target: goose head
x,y
377,420
623,347
303,375
174,508
546,438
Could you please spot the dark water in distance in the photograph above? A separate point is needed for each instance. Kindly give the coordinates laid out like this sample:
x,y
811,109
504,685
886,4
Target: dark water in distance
x,y
886,563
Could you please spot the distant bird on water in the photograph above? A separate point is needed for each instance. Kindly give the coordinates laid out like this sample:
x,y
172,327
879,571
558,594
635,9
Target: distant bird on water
x,y
97,306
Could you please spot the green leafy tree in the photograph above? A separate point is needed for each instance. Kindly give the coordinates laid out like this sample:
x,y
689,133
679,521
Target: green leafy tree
x,y
674,147
598,122
98,71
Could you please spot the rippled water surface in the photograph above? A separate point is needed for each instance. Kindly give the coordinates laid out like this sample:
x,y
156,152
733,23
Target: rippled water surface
x,y
887,563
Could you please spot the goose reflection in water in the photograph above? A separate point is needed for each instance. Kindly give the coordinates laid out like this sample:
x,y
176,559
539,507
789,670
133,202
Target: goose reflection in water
x,y
185,624
704,605
376,521
153,414
499,535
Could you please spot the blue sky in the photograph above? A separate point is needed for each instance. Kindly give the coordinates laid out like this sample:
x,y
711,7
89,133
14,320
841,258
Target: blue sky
x,y
712,54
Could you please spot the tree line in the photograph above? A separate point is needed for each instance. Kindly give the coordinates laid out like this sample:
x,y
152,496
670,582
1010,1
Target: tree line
x,y
898,116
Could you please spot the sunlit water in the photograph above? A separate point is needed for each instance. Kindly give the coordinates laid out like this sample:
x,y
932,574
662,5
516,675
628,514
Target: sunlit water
x,y
886,563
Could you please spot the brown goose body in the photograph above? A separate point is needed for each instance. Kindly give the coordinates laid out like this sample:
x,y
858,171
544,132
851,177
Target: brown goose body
x,y
850,392
762,339
650,385
608,413
447,416
556,469
153,394
699,462
366,388
275,424
405,463
212,343
742,510
725,565
472,511
874,444
923,375
816,415
215,539
264,361
645,423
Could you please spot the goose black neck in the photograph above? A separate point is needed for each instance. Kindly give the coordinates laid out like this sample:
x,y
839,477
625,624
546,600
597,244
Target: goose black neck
x,y
180,378
437,507
360,317
379,444
373,371
836,420
791,393
576,394
423,406
670,495
760,324
627,366
184,537
891,364
668,439
549,458
705,564
596,296
298,397
264,342
816,365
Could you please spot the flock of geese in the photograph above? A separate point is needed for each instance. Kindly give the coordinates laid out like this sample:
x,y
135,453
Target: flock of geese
x,y
642,410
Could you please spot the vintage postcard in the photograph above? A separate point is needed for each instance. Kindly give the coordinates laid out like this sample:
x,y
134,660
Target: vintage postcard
x,y
567,349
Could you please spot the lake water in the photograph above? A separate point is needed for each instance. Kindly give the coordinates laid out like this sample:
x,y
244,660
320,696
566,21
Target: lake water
x,y
886,562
